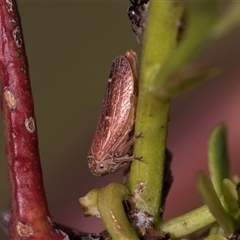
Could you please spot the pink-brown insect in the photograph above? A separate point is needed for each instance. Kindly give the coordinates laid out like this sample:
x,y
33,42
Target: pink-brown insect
x,y
113,140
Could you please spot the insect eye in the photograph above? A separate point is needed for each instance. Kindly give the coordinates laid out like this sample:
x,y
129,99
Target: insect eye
x,y
90,158
102,167
133,15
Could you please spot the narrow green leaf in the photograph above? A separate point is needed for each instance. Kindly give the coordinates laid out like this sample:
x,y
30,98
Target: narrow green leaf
x,y
187,78
216,229
200,19
236,179
188,223
231,198
238,192
227,21
212,200
110,205
215,237
218,157
89,203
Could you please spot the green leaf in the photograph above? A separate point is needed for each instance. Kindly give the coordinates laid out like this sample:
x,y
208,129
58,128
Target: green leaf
x,y
227,21
236,179
216,229
89,203
188,223
213,202
110,205
215,237
231,198
218,157
187,78
200,19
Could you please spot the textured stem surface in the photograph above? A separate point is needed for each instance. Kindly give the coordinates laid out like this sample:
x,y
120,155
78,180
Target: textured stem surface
x,y
146,178
30,218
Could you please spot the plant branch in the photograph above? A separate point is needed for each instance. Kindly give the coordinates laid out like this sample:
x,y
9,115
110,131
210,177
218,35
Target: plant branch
x,y
146,178
30,218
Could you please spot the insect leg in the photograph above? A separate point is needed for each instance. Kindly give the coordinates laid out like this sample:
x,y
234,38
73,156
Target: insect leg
x,y
126,146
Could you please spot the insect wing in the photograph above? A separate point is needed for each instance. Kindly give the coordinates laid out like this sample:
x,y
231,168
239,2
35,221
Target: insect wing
x,y
116,108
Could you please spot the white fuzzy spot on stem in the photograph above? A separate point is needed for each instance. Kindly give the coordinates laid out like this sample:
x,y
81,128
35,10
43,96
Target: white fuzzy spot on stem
x,y
10,99
30,124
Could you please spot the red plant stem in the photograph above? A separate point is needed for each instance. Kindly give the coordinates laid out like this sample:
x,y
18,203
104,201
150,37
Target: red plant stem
x,y
30,218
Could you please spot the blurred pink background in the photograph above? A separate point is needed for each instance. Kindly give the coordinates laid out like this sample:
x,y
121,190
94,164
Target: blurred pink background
x,y
70,47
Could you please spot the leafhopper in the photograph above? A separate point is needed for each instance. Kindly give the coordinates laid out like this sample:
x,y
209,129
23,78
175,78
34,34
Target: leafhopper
x,y
113,139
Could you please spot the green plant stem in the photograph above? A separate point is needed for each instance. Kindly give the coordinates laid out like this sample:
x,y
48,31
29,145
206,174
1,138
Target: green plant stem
x,y
188,223
145,181
110,205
